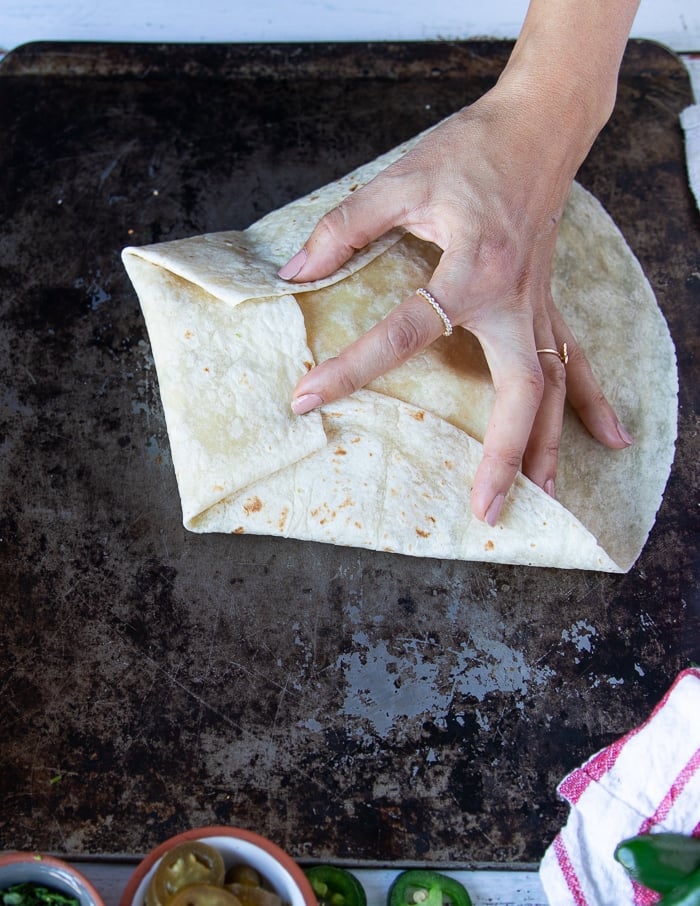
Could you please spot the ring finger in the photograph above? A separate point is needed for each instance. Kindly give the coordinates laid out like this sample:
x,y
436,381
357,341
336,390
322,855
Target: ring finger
x,y
541,457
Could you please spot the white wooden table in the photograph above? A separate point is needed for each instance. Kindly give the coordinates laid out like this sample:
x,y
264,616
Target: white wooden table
x,y
486,888
675,23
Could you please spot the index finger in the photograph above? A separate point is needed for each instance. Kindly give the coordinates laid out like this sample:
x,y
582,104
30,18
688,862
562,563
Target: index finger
x,y
360,218
406,330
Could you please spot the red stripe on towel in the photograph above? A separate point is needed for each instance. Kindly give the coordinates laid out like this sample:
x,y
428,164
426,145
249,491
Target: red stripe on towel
x,y
677,787
569,872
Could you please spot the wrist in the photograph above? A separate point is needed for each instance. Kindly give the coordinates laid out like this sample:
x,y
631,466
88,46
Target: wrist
x,y
565,64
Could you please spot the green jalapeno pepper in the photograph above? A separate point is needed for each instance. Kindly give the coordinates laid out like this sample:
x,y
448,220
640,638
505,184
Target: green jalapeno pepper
x,y
687,893
420,887
659,861
335,886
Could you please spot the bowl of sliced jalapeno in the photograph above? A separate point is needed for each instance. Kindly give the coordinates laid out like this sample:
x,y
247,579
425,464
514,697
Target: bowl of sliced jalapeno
x,y
218,866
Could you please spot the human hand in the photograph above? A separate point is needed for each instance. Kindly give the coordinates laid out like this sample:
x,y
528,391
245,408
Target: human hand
x,y
488,187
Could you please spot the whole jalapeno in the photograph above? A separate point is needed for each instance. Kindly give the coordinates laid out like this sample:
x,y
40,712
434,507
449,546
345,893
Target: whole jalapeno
x,y
687,893
659,861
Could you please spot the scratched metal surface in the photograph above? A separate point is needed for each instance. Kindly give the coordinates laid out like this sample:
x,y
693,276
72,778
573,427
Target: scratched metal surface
x,y
350,705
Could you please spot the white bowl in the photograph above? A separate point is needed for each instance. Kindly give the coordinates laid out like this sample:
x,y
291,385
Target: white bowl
x,y
236,845
18,867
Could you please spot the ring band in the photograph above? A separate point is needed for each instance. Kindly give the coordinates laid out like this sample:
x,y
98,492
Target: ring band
x,y
562,354
431,300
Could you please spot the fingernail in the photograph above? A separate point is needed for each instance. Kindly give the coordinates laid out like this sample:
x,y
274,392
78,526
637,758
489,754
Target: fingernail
x,y
305,403
549,487
494,511
625,435
293,266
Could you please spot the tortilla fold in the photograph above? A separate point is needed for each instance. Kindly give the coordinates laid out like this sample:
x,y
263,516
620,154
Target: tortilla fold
x,y
391,467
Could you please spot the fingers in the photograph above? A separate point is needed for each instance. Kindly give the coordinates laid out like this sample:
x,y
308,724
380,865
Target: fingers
x,y
587,398
541,457
410,327
360,218
520,388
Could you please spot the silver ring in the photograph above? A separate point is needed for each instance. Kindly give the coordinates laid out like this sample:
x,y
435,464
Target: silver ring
x,y
431,300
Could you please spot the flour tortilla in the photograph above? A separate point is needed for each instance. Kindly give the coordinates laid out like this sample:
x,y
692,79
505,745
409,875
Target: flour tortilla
x,y
391,467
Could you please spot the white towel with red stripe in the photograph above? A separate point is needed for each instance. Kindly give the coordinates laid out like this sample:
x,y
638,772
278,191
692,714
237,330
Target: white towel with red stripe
x,y
646,781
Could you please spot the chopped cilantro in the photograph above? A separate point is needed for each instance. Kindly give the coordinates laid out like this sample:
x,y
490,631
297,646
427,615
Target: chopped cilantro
x,y
30,894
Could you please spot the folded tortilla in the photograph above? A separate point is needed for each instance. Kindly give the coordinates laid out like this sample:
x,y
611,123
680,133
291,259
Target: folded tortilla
x,y
391,467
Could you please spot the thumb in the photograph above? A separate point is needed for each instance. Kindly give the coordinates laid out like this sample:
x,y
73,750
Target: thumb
x,y
357,220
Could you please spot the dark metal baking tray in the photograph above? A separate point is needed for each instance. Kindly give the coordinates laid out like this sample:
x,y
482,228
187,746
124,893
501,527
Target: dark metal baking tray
x,y
352,705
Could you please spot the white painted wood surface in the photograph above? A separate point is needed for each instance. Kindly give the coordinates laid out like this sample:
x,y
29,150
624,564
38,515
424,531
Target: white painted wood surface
x,y
675,23
486,888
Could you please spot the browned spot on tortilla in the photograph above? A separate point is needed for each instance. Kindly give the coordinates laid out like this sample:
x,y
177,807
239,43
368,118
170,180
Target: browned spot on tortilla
x,y
205,369
432,519
449,464
238,531
346,503
419,416
354,187
218,487
339,451
489,546
358,524
188,334
283,519
253,505
308,365
422,533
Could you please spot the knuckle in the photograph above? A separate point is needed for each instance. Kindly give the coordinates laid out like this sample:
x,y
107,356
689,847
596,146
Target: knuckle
x,y
533,382
554,373
508,455
336,226
404,336
345,378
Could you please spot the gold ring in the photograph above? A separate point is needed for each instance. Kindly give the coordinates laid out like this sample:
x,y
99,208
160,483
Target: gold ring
x,y
431,300
562,354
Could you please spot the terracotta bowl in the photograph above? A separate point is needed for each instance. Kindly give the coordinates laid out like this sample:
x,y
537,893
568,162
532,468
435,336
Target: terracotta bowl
x,y
236,845
15,868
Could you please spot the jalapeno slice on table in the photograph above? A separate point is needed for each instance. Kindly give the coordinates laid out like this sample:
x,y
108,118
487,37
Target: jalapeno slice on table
x,y
422,887
335,886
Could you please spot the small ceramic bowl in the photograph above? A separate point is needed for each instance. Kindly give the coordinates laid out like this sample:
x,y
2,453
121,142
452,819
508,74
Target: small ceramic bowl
x,y
236,845
16,868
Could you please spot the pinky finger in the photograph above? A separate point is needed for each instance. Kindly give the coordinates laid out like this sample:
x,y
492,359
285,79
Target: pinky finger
x,y
586,395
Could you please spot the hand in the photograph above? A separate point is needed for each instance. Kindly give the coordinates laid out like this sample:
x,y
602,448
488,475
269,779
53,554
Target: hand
x,y
488,186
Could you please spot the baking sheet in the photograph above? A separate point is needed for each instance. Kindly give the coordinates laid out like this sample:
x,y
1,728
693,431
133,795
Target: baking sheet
x,y
348,704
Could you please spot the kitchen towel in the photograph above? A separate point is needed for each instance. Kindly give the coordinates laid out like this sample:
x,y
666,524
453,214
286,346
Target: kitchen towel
x,y
647,781
690,121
